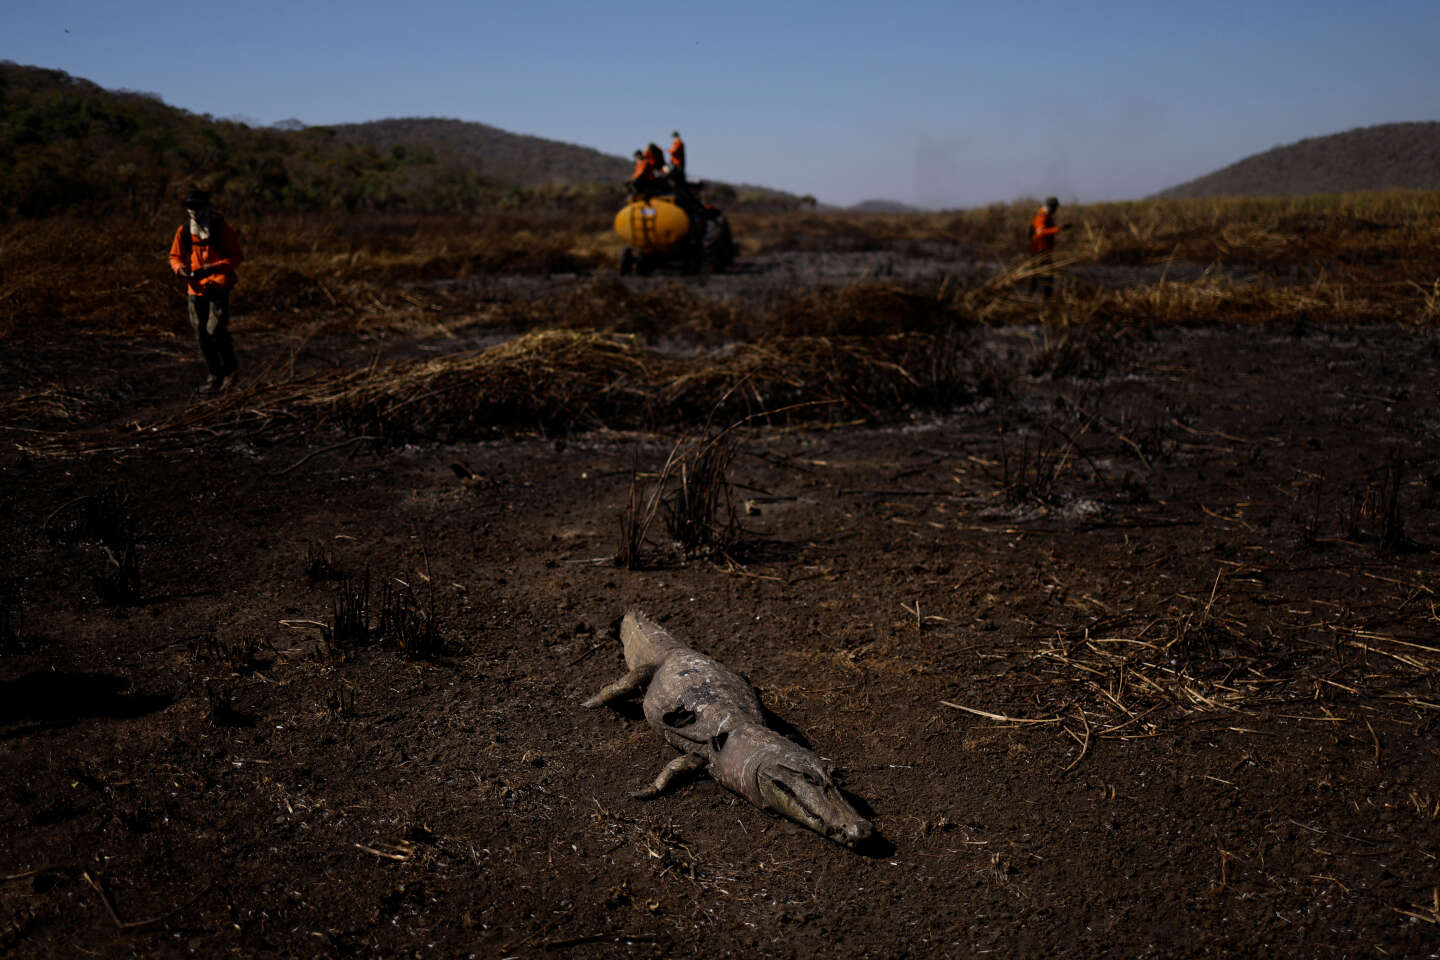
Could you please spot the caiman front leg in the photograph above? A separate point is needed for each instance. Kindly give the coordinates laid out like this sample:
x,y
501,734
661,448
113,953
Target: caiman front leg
x,y
685,763
627,686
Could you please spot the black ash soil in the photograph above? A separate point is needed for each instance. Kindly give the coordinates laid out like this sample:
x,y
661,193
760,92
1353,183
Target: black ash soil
x,y
1136,657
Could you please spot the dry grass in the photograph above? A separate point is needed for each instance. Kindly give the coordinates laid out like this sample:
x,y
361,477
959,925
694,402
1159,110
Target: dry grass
x,y
359,270
694,493
675,311
873,350
1328,259
679,313
1141,673
1356,257
1359,228
556,382
1326,300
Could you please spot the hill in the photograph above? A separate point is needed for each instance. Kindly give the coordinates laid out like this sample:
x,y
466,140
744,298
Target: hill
x,y
67,143
511,158
882,206
1391,156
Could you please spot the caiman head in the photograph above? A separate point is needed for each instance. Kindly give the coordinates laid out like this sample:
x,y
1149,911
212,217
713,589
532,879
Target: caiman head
x,y
797,785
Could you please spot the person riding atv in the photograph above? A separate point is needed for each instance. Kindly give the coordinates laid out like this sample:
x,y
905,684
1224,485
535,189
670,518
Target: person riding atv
x,y
666,222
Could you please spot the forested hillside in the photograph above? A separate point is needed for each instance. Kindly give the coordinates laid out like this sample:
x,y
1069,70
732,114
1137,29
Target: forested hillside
x,y
68,144
1390,156
504,157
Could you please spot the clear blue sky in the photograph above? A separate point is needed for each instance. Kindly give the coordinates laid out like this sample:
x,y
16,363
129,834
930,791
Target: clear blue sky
x,y
938,104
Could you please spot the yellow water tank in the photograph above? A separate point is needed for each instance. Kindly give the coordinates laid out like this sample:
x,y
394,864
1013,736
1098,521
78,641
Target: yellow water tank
x,y
652,225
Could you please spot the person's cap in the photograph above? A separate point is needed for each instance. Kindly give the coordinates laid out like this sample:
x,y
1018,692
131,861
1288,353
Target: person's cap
x,y
196,200
1052,202
675,134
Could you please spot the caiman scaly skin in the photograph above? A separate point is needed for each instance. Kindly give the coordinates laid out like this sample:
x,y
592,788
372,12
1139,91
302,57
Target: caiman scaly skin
x,y
713,717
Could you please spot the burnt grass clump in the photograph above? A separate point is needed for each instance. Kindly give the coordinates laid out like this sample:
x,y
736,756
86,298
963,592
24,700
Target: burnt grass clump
x,y
103,519
118,582
408,622
398,618
558,383
320,563
242,655
102,516
695,500
348,628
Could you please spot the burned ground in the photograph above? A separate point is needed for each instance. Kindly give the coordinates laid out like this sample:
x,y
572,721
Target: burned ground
x,y
1127,638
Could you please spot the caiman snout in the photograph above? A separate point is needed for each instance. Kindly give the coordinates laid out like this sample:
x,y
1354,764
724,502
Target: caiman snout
x,y
799,788
854,834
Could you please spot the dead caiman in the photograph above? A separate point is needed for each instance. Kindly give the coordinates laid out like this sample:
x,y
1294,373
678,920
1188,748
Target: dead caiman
x,y
713,717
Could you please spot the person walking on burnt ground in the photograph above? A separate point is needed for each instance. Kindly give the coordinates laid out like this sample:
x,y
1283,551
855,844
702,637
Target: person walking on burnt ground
x,y
1042,246
204,254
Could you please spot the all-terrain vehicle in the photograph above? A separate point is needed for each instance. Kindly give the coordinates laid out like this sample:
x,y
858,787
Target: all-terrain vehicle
x,y
674,228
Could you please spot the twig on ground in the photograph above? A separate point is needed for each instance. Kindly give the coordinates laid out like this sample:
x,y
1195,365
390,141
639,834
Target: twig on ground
x,y
999,716
1084,742
315,453
134,924
551,945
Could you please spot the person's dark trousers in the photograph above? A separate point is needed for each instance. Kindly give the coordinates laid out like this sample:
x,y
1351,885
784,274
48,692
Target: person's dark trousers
x,y
1043,280
210,316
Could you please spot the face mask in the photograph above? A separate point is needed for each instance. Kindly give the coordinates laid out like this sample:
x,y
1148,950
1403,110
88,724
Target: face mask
x,y
199,224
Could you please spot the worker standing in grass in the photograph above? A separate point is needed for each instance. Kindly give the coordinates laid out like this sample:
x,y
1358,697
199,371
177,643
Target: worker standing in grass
x,y
204,254
677,157
1042,245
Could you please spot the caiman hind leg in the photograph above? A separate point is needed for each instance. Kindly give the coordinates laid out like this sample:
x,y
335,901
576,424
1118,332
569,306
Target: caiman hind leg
x,y
629,685
685,763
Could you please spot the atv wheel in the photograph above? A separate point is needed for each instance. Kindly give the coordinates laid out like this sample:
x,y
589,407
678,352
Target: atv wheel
x,y
728,247
718,247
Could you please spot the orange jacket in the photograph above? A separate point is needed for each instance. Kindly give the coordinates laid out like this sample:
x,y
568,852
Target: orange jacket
x,y
677,154
643,170
206,254
1042,232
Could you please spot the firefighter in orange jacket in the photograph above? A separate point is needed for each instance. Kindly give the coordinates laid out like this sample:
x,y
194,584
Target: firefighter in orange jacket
x,y
677,157
204,254
1042,244
649,171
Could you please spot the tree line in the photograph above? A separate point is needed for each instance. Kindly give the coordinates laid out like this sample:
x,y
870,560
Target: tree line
x,y
68,145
